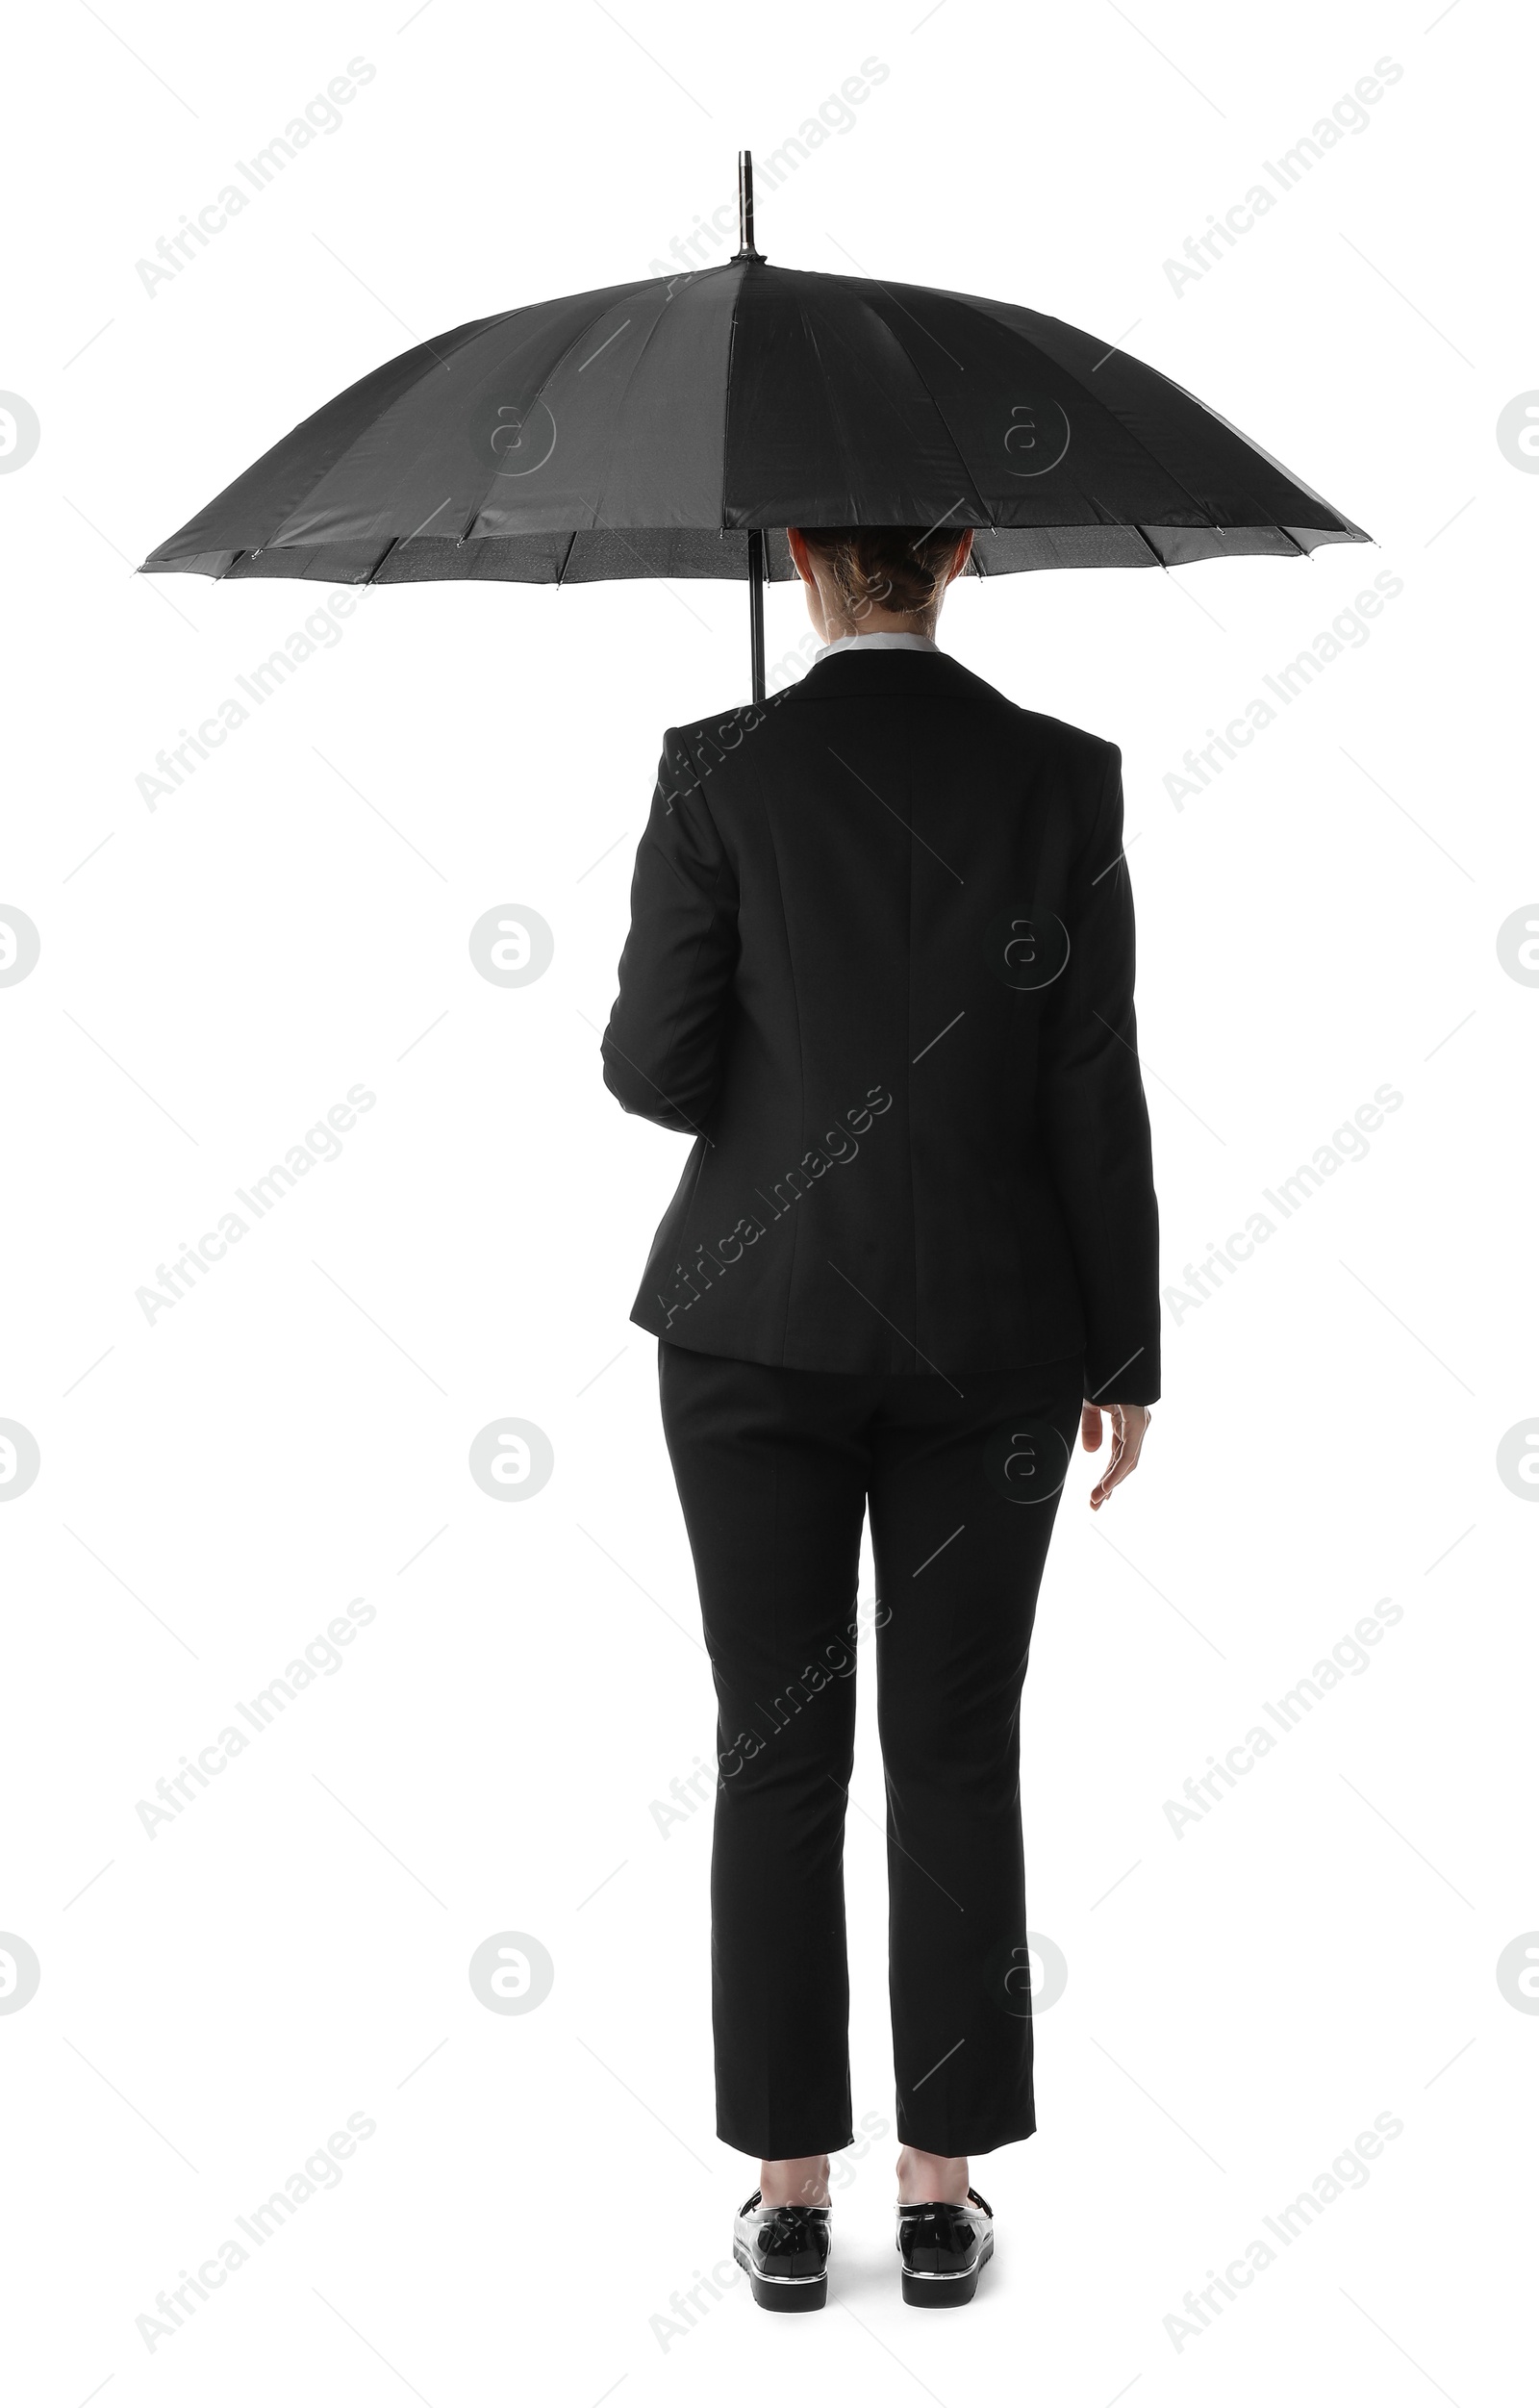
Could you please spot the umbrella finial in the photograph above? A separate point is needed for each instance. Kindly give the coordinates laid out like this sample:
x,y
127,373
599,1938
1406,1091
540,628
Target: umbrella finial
x,y
746,250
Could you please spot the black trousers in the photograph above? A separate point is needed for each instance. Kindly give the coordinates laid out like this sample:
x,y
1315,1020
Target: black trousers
x,y
775,1469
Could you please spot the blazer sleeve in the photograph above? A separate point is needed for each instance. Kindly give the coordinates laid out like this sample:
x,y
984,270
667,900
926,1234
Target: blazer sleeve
x,y
663,1047
1094,1120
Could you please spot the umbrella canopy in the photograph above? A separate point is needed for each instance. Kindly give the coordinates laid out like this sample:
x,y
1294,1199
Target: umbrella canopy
x,y
675,427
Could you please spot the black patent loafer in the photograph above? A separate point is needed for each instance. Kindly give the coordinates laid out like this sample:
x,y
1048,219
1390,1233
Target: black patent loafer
x,y
784,2252
944,2249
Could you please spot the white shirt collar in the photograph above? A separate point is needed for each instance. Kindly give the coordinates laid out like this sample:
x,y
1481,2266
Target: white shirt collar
x,y
874,644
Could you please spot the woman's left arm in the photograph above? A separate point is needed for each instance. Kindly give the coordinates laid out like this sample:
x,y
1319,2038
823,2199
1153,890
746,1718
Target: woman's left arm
x,y
662,1048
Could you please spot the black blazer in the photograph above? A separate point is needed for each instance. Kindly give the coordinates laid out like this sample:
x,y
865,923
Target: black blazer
x,y
880,964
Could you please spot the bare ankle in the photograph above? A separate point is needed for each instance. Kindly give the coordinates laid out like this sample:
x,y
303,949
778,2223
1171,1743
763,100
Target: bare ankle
x,y
923,2177
794,2181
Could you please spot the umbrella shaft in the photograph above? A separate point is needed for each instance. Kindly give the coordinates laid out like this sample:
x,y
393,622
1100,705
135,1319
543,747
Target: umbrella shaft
x,y
745,203
756,608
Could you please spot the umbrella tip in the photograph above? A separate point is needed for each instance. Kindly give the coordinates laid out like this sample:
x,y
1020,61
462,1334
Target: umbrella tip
x,y
746,250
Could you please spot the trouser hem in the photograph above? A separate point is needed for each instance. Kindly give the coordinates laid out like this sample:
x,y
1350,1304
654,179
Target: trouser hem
x,y
971,2142
778,2144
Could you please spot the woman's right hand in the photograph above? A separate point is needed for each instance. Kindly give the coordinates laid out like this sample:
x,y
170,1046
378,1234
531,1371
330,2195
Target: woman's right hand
x,y
1129,1422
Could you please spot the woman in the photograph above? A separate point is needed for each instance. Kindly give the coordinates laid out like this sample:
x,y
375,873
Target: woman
x,y
880,966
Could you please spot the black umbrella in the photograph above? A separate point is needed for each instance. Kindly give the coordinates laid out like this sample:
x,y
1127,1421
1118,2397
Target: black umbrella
x,y
675,427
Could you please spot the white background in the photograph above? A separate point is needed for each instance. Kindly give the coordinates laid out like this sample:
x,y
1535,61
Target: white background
x,y
294,1947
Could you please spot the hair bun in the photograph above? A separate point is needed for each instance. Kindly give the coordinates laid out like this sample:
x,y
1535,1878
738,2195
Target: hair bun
x,y
901,570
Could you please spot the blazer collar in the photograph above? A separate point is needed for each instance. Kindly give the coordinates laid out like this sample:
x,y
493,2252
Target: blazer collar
x,y
859,671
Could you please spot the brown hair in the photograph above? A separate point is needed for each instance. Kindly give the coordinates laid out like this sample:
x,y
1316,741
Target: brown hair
x,y
895,569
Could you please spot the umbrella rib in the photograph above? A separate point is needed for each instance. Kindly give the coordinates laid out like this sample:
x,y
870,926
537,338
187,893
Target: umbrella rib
x,y
963,470
1257,451
634,371
1215,525
1205,517
1130,526
1144,539
474,330
580,336
379,564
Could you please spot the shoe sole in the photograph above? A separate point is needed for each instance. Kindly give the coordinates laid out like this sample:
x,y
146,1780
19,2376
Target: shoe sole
x,y
787,2295
944,2291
